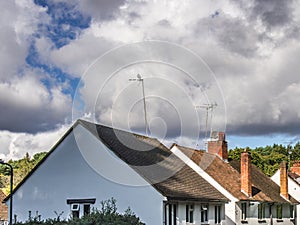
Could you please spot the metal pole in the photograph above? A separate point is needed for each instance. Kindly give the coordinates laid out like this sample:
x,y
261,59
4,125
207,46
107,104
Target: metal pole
x,y
145,108
11,194
139,78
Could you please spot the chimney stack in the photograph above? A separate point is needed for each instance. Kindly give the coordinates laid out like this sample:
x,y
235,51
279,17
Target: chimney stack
x,y
217,145
284,181
246,176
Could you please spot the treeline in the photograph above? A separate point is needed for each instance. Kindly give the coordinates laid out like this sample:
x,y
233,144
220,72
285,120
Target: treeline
x,y
21,168
107,215
268,158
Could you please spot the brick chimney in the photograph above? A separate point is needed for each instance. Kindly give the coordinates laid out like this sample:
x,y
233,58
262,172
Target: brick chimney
x,y
217,145
295,168
284,181
246,176
3,207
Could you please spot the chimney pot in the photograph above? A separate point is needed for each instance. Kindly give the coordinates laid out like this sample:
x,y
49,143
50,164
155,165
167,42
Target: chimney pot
x,y
218,146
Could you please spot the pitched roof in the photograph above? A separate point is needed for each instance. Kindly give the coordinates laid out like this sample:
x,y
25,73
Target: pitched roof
x,y
170,175
141,153
228,176
295,177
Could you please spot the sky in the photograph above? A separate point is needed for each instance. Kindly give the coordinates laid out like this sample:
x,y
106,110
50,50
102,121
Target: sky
x,y
63,60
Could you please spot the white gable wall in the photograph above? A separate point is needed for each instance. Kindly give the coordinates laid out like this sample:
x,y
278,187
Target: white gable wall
x,y
294,191
66,175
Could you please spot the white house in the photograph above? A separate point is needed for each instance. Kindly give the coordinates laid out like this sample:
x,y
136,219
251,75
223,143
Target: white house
x,y
91,163
254,197
293,184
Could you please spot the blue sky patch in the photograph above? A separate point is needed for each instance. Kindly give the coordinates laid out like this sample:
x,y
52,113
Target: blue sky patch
x,y
66,22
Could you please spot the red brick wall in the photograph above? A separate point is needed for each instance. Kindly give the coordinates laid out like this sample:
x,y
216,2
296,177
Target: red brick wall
x,y
295,168
246,175
219,146
283,180
3,207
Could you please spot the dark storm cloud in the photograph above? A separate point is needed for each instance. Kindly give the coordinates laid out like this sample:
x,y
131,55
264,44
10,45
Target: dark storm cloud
x,y
273,13
291,128
230,33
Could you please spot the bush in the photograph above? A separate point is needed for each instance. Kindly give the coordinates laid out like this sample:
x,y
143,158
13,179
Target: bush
x,y
107,215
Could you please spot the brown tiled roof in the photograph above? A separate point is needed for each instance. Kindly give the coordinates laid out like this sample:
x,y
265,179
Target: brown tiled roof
x,y
3,207
181,182
264,188
156,164
295,177
228,176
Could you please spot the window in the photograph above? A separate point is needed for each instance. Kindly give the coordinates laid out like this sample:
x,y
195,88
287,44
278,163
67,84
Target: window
x,y
292,212
279,211
261,211
172,214
190,213
75,210
80,206
204,213
217,214
244,211
86,209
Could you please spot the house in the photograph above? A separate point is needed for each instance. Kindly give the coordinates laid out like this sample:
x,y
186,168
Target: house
x,y
254,197
293,184
3,208
91,163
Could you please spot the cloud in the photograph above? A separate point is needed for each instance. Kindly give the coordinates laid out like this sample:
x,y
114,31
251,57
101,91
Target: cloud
x,y
29,106
16,145
28,100
245,45
251,47
101,9
18,22
265,101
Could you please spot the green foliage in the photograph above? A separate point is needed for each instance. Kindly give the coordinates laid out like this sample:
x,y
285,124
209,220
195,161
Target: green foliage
x,y
107,215
268,158
21,168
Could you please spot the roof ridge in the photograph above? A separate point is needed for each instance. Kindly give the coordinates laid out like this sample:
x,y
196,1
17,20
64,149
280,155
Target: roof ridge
x,y
87,125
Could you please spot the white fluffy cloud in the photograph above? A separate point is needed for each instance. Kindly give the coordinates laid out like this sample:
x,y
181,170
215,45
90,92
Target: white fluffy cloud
x,y
251,46
16,145
26,103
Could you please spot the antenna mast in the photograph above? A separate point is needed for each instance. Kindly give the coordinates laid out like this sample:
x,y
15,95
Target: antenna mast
x,y
140,79
211,108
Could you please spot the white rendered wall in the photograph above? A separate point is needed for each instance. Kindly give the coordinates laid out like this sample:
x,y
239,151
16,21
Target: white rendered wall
x,y
252,215
294,191
66,175
197,214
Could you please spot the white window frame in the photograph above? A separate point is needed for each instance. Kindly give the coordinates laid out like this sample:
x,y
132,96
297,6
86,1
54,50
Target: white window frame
x,y
279,211
292,207
190,213
171,214
244,211
218,216
204,213
75,207
261,210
